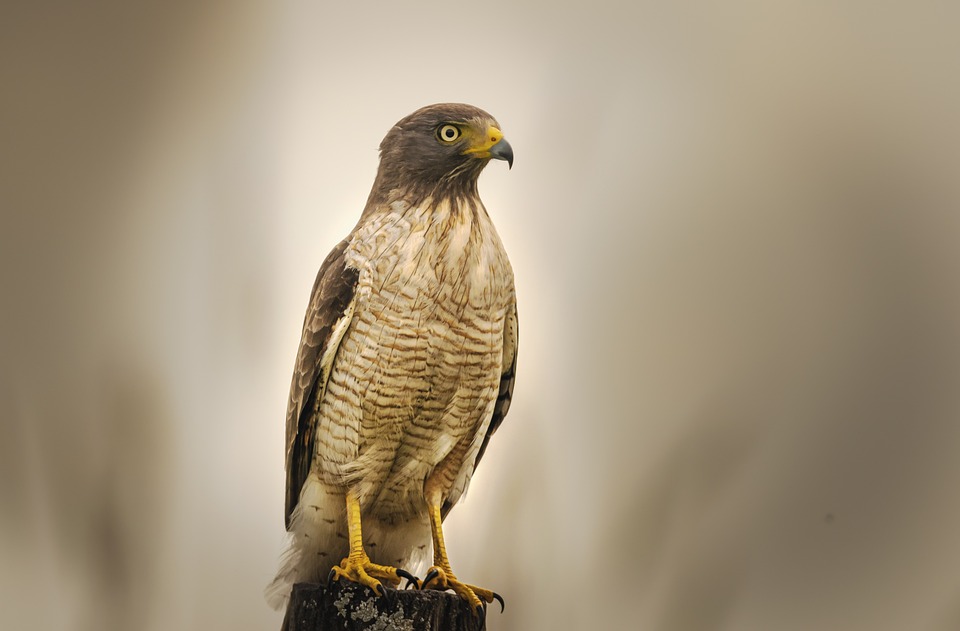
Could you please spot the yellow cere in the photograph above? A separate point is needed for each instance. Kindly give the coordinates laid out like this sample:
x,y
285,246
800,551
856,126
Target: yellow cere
x,y
480,145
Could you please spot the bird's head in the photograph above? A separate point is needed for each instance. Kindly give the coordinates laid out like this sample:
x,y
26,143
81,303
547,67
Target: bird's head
x,y
440,148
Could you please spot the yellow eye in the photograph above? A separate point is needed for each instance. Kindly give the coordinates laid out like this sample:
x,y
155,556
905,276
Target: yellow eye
x,y
448,133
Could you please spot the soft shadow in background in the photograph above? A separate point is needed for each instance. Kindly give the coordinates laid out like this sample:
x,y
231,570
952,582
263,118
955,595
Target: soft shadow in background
x,y
735,233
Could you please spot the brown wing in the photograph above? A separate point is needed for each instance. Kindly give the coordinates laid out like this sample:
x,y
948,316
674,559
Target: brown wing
x,y
330,303
511,331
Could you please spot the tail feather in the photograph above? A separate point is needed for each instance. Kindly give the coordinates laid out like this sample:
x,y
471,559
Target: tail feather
x,y
318,541
278,591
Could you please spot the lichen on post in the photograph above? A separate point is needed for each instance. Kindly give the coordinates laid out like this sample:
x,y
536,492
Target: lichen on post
x,y
346,606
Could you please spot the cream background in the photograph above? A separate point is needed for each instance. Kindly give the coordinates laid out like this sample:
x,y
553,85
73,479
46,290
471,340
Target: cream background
x,y
735,234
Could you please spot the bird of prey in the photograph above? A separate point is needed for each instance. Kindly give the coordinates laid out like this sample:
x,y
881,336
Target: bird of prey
x,y
406,365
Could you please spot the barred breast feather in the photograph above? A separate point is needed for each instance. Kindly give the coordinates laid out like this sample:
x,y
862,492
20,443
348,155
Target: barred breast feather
x,y
416,373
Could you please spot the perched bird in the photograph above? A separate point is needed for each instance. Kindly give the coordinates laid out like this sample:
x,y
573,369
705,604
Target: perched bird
x,y
406,364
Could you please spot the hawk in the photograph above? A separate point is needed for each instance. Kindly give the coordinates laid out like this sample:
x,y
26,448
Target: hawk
x,y
406,365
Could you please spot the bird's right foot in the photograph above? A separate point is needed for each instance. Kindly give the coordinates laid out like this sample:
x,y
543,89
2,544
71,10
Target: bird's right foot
x,y
358,568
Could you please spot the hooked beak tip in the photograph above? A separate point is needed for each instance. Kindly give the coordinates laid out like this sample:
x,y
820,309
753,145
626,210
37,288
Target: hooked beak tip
x,y
502,151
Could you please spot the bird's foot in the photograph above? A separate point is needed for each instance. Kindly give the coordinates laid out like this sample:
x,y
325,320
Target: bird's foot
x,y
443,579
358,568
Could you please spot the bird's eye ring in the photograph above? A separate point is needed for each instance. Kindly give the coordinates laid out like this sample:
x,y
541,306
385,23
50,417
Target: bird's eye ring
x,y
448,133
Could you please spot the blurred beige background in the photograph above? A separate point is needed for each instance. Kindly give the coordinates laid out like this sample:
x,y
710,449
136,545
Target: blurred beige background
x,y
736,236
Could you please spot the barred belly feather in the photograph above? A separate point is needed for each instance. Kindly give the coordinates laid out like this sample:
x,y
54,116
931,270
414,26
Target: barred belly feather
x,y
418,371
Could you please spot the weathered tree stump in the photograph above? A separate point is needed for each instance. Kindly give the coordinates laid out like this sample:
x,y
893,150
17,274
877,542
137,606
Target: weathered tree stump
x,y
346,606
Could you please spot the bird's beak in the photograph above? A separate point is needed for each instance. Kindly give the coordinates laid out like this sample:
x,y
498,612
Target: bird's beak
x,y
502,151
491,145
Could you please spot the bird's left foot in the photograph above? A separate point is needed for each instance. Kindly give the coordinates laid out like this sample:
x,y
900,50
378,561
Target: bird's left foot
x,y
444,579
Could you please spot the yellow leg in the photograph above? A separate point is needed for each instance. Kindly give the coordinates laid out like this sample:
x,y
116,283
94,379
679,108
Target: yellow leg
x,y
441,577
357,567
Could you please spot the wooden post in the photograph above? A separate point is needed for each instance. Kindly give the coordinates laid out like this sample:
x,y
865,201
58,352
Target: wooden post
x,y
346,606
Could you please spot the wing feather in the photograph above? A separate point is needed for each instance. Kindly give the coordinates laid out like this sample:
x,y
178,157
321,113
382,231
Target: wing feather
x,y
328,314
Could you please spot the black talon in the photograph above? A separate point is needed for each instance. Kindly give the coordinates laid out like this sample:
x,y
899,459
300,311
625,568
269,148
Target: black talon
x,y
411,579
497,597
432,574
378,589
332,575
